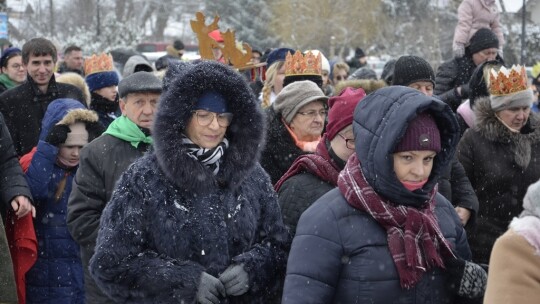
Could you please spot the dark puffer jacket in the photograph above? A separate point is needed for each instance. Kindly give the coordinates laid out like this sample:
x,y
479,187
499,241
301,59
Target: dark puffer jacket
x,y
500,165
170,218
452,74
339,253
280,151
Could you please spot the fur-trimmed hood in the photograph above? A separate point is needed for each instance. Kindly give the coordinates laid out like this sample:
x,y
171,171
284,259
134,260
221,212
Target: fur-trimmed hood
x,y
368,85
59,109
245,134
491,128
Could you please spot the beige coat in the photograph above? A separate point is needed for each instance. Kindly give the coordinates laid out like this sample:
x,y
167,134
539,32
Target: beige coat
x,y
474,15
514,272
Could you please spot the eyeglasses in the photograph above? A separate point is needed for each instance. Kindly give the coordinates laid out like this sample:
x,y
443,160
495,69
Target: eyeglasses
x,y
16,66
312,114
205,118
349,142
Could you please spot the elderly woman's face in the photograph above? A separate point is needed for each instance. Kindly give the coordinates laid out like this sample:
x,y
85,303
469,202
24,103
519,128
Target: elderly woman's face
x,y
308,122
516,117
207,129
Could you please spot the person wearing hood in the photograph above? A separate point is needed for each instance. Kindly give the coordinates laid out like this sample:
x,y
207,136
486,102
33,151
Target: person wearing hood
x,y
196,220
501,155
388,236
415,72
136,63
517,281
312,175
57,275
102,82
104,160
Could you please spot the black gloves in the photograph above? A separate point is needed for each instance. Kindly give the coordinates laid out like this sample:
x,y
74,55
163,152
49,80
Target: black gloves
x,y
210,289
95,129
235,279
466,279
57,135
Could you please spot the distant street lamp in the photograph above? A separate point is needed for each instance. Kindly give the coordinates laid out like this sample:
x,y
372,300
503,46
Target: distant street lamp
x,y
523,41
98,19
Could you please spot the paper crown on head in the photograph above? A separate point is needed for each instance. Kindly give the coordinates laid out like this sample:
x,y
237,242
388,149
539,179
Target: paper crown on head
x,y
98,63
507,81
300,64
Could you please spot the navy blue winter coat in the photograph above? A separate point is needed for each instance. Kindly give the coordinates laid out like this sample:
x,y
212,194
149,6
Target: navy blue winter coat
x,y
57,275
339,253
170,218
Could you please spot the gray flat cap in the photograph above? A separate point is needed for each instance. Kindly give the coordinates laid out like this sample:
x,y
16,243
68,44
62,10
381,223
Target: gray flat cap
x,y
139,82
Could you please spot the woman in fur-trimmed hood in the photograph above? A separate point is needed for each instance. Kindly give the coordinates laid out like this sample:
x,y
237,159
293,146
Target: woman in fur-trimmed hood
x,y
196,220
501,156
57,275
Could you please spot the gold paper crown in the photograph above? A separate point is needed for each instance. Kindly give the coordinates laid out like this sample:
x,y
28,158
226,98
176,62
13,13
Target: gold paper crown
x,y
299,64
98,63
506,81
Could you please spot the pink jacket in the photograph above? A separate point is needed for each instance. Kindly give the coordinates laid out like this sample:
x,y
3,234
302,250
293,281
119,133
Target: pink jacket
x,y
474,15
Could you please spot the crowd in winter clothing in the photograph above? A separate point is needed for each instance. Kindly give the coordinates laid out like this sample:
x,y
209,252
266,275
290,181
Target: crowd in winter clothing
x,y
321,182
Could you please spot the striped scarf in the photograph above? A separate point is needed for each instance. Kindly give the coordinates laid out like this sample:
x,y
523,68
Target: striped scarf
x,y
415,240
208,157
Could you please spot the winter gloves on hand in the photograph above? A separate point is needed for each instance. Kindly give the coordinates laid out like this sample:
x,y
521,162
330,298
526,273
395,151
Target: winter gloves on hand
x,y
235,279
57,135
210,289
458,49
466,279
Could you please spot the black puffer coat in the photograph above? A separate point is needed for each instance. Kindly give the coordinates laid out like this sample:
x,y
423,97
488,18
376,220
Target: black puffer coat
x,y
170,218
500,165
452,74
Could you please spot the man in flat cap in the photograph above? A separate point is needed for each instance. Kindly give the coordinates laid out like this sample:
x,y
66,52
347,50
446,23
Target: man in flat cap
x,y
103,161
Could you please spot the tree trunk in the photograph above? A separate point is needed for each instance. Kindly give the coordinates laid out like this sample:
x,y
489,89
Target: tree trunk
x,y
51,21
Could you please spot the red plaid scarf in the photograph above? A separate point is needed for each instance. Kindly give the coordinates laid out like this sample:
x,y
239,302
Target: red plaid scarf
x,y
319,164
414,237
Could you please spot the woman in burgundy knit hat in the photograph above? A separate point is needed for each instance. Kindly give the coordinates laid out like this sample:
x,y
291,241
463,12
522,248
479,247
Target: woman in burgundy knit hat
x,y
385,235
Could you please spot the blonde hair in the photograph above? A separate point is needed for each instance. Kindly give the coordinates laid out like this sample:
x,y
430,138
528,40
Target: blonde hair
x,y
269,83
78,81
341,66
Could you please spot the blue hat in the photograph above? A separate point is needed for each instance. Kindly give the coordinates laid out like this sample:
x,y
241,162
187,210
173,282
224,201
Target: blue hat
x,y
277,55
101,80
212,102
8,53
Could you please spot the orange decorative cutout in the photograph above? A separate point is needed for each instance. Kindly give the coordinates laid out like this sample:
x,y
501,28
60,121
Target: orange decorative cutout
x,y
504,81
98,63
299,64
233,54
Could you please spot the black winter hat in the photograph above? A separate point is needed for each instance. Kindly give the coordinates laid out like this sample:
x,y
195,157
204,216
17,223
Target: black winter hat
x,y
388,71
359,53
178,45
483,39
477,84
410,69
363,73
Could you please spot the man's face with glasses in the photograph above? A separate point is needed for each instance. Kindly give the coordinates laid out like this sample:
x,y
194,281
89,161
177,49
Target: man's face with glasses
x,y
207,129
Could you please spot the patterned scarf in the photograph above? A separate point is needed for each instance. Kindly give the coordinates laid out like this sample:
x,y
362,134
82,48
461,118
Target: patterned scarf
x,y
208,157
319,164
414,237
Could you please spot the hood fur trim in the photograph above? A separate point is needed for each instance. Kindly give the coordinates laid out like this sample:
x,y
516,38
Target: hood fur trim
x,y
245,134
492,129
79,115
368,85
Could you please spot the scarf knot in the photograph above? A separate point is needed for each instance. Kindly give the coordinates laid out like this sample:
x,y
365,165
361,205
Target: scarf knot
x,y
210,158
125,129
415,240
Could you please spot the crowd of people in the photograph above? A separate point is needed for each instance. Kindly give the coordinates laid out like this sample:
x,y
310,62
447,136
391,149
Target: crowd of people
x,y
322,182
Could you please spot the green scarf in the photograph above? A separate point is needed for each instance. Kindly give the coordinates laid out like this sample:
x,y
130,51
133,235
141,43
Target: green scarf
x,y
125,129
7,82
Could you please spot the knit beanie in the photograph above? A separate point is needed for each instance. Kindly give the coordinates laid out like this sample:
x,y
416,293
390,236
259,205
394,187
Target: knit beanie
x,y
483,39
359,53
78,135
277,55
411,69
341,110
212,102
7,54
99,71
296,95
363,73
422,134
531,201
520,99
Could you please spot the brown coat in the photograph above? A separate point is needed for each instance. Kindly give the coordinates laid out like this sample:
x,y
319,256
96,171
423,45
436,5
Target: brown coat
x,y
514,271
